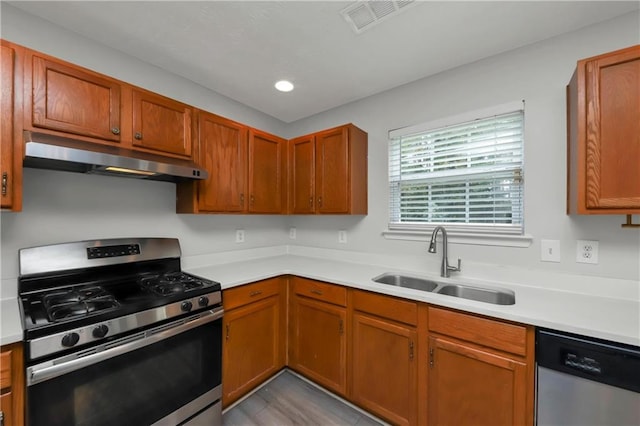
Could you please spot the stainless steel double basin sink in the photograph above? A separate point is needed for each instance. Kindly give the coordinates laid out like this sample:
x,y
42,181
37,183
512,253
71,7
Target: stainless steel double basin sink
x,y
480,294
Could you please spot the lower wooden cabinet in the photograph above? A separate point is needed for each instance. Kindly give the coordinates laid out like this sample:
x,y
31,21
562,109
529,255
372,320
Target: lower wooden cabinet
x,y
254,336
406,362
12,384
384,368
481,371
317,334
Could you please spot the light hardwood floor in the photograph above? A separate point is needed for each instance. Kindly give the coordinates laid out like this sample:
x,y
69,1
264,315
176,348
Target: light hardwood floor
x,y
289,400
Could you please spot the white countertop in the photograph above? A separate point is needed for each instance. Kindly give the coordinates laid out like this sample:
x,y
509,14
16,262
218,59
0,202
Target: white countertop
x,y
595,316
560,308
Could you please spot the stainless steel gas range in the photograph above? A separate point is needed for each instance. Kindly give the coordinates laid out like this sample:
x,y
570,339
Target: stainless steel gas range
x,y
116,333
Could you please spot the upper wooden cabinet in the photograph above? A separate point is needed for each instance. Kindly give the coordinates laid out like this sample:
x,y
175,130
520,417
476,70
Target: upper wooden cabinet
x,y
267,173
161,124
70,99
223,152
328,172
247,170
7,64
63,99
603,109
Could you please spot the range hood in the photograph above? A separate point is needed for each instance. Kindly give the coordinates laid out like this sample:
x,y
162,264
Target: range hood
x,y
44,151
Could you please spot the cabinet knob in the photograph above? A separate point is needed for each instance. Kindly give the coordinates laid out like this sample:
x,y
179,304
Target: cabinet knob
x,y
252,199
5,182
138,136
320,201
115,130
241,198
310,201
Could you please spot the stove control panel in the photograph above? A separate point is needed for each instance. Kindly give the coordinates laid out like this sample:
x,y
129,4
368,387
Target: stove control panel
x,y
113,251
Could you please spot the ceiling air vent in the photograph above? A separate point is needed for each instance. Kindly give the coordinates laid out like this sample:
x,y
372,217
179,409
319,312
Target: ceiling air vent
x,y
362,15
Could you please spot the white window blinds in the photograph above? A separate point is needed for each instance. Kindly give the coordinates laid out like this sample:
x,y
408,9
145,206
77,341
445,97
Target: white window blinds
x,y
467,175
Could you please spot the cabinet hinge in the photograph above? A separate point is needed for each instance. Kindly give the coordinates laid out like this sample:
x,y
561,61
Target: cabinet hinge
x,y
227,334
341,327
431,357
411,350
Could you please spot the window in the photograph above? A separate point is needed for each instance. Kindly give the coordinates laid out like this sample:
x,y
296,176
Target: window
x,y
466,175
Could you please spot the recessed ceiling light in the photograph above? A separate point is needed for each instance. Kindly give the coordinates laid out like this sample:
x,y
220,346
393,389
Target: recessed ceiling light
x,y
284,86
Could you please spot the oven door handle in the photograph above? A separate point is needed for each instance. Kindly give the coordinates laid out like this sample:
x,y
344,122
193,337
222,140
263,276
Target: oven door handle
x,y
51,369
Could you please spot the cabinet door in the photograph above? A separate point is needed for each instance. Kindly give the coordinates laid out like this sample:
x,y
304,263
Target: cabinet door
x,y
470,385
223,152
332,171
318,343
302,175
613,131
384,368
267,182
72,100
251,348
161,124
7,58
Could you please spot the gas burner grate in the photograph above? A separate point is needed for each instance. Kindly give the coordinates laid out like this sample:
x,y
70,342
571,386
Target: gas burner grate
x,y
72,303
171,283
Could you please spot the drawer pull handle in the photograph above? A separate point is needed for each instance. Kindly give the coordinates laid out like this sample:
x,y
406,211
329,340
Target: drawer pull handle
x,y
255,293
315,291
5,183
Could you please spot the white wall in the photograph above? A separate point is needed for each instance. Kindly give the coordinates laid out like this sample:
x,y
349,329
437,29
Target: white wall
x,y
538,74
61,207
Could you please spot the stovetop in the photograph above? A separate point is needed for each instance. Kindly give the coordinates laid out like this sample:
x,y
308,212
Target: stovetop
x,y
50,310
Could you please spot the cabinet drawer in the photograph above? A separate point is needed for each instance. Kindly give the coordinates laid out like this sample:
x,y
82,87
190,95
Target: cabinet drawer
x,y
321,291
249,293
386,306
5,369
6,406
483,331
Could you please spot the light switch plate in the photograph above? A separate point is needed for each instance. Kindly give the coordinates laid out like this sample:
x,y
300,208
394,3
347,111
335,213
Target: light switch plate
x,y
550,250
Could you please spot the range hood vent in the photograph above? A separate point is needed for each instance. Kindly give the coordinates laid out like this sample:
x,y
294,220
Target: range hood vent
x,y
44,151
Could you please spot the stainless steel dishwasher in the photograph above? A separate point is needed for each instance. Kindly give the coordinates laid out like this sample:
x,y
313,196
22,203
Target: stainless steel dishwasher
x,y
584,381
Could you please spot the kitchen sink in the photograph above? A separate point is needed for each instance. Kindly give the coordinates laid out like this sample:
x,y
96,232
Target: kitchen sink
x,y
406,281
479,294
497,297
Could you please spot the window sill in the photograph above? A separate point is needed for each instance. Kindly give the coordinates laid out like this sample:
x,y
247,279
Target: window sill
x,y
454,237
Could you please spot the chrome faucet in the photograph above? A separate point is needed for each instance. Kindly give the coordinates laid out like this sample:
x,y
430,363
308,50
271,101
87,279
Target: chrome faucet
x,y
445,269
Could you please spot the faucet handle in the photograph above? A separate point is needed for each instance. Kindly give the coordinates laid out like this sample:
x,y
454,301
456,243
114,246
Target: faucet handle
x,y
453,268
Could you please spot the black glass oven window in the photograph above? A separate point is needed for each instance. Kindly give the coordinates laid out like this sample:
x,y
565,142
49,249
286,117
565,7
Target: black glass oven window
x,y
136,388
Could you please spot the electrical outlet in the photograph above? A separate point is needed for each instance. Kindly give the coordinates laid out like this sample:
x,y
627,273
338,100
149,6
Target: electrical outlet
x,y
292,233
550,250
239,235
342,237
587,251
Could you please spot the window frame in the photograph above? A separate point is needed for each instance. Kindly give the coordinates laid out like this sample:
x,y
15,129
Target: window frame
x,y
464,233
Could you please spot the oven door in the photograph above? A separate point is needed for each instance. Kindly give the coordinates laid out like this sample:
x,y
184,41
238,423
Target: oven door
x,y
166,375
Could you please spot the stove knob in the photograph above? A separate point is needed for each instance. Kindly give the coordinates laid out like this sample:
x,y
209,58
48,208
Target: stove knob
x,y
70,339
186,306
100,331
203,301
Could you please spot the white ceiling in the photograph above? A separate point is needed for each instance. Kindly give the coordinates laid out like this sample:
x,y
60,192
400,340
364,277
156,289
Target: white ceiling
x,y
240,48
